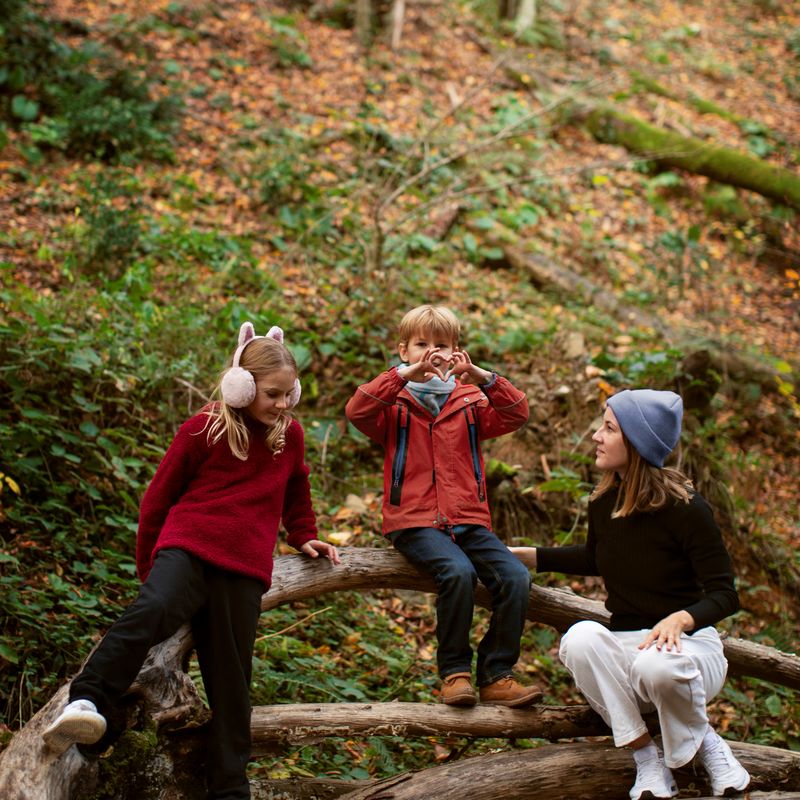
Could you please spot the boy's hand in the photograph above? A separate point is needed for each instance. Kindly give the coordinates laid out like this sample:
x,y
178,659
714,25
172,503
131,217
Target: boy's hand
x,y
315,548
467,371
432,363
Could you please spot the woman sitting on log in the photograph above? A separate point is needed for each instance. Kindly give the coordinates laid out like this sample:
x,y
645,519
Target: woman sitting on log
x,y
669,580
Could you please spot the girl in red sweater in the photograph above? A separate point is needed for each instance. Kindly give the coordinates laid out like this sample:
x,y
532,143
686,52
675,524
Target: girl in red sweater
x,y
208,525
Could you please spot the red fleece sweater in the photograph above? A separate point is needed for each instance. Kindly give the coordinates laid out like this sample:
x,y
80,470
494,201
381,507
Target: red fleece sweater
x,y
206,501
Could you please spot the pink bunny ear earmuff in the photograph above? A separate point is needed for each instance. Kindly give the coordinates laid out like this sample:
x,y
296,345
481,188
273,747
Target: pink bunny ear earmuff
x,y
238,386
294,396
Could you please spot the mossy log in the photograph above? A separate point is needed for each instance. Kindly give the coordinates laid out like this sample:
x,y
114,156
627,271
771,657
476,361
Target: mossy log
x,y
669,149
165,710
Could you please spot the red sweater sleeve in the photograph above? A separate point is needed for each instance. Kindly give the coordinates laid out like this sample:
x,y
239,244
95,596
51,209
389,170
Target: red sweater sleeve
x,y
177,468
366,408
507,409
298,512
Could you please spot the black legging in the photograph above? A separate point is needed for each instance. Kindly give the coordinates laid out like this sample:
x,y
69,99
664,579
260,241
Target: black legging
x,y
223,608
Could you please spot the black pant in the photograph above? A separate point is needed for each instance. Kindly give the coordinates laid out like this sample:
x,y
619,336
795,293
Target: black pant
x,y
223,609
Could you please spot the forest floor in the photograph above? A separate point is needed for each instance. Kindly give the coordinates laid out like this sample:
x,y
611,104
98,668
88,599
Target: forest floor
x,y
729,280
728,275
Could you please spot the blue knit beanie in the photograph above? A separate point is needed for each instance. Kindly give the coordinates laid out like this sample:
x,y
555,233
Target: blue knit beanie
x,y
650,420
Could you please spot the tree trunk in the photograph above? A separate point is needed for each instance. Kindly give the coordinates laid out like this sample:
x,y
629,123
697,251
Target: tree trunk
x,y
575,771
363,23
160,759
526,16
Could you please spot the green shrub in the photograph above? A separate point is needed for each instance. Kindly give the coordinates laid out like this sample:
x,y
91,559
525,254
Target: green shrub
x,y
82,100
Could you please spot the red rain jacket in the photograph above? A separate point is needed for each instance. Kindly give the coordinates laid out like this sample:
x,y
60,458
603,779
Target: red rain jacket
x,y
433,471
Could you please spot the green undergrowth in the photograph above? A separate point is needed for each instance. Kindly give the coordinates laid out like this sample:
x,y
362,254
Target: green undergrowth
x,y
133,306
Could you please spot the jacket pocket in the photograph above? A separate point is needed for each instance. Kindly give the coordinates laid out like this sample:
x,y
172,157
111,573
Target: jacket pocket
x,y
400,456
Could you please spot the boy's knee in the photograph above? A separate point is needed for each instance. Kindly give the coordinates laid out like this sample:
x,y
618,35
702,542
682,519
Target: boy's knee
x,y
458,573
517,579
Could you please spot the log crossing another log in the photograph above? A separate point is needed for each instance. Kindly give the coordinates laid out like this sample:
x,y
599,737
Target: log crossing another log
x,y
166,707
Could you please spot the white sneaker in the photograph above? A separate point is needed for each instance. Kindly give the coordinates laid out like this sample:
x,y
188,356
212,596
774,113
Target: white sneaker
x,y
728,776
653,778
78,723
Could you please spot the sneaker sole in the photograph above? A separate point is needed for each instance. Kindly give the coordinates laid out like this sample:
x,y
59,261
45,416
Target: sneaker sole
x,y
84,729
519,702
730,791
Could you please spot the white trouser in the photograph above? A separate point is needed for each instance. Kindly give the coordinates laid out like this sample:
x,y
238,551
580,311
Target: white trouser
x,y
620,682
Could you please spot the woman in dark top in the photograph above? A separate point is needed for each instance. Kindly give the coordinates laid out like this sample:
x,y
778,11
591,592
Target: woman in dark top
x,y
669,579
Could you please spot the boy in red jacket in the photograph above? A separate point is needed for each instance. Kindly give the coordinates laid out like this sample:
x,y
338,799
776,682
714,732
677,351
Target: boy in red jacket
x,y
435,510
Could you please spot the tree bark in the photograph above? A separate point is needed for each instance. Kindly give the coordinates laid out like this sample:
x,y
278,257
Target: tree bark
x,y
577,771
169,705
305,723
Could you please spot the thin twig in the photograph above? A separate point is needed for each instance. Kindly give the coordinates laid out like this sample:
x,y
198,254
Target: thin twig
x,y
293,625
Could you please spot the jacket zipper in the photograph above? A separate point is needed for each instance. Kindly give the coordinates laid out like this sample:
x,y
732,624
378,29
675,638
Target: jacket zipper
x,y
400,455
472,427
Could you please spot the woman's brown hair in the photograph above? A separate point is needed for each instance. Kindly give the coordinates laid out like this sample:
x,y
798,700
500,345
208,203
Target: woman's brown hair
x,y
644,488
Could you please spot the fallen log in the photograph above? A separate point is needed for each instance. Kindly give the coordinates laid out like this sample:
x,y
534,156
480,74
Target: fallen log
x,y
567,284
577,771
672,150
289,725
367,569
165,703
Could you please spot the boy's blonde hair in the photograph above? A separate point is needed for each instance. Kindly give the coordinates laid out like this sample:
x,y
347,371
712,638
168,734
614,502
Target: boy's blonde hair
x,y
644,488
260,357
439,321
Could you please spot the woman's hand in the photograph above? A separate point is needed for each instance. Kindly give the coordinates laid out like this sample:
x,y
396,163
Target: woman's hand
x,y
315,548
432,363
468,372
527,555
668,631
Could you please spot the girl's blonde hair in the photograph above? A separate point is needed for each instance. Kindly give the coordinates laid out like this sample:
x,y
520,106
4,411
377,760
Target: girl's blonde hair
x,y
644,488
260,357
439,321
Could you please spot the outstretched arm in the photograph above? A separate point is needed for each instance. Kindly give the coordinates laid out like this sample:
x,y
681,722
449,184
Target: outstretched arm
x,y
527,555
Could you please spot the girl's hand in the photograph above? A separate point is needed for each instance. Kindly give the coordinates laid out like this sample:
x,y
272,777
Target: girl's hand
x,y
432,363
467,371
315,548
668,631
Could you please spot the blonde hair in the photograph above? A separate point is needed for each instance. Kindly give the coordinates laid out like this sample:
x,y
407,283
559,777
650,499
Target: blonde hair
x,y
644,488
439,321
260,357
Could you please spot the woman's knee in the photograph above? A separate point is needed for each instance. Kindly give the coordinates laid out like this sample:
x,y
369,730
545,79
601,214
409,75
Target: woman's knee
x,y
656,672
582,641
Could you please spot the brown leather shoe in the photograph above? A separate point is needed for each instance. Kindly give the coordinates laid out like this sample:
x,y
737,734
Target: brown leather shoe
x,y
509,692
457,690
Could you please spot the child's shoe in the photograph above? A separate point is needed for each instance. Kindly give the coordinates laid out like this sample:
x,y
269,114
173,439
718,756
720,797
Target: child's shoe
x,y
78,723
728,777
653,777
457,690
509,692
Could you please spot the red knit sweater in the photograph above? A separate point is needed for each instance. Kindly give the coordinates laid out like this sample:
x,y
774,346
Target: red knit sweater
x,y
206,501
